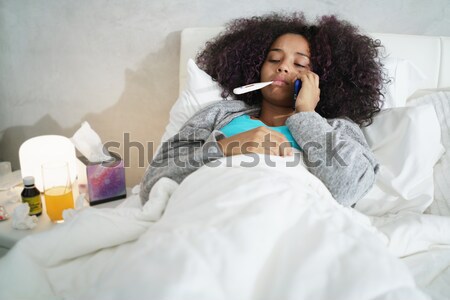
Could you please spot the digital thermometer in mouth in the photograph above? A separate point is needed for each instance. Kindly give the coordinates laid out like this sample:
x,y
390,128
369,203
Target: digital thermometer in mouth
x,y
259,85
251,87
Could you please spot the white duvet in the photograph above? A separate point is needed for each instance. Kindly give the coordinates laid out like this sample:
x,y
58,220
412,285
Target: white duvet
x,y
227,232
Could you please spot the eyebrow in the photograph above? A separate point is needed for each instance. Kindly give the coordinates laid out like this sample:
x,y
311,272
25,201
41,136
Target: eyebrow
x,y
299,53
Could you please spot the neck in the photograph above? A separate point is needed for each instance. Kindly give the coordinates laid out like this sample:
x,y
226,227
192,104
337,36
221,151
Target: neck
x,y
272,115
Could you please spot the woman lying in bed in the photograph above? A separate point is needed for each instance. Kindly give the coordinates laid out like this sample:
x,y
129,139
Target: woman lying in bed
x,y
341,80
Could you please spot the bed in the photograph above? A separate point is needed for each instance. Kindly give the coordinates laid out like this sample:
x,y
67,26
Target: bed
x,y
281,235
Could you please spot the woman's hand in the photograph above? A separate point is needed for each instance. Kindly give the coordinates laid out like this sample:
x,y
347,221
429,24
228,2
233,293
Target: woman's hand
x,y
309,94
259,140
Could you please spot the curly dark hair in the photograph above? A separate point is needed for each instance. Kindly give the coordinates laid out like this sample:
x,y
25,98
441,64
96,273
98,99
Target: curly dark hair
x,y
347,62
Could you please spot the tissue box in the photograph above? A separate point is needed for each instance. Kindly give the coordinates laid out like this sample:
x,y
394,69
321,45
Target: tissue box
x,y
103,181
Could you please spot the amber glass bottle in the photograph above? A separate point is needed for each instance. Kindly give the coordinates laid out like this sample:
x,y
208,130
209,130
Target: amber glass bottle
x,y
32,196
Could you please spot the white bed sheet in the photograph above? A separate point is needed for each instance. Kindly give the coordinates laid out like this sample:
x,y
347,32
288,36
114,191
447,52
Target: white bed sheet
x,y
441,102
279,236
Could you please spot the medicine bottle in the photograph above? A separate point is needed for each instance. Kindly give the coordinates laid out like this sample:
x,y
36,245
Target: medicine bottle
x,y
32,196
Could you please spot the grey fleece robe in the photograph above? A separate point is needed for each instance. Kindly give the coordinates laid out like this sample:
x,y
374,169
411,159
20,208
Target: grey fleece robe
x,y
334,150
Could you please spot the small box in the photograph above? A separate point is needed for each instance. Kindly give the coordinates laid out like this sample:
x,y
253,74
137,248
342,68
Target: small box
x,y
103,181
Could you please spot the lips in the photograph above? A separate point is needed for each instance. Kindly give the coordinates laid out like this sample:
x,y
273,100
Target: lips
x,y
280,81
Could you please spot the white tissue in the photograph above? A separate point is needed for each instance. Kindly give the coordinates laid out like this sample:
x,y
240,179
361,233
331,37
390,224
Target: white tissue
x,y
68,214
5,168
89,144
79,202
21,219
11,196
10,180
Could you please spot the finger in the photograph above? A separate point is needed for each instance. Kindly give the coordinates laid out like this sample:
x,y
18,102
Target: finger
x,y
316,79
274,136
274,151
286,151
311,77
275,145
299,75
304,76
278,135
264,150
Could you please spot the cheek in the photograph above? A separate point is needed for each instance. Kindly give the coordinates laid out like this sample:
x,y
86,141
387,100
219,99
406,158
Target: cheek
x,y
265,72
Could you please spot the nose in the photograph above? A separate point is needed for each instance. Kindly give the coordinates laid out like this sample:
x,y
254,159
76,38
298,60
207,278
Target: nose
x,y
283,68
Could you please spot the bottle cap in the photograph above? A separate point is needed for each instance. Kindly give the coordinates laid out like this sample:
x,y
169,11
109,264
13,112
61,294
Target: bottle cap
x,y
28,180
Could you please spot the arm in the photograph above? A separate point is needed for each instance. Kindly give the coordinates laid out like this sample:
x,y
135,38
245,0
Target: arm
x,y
182,154
192,147
336,152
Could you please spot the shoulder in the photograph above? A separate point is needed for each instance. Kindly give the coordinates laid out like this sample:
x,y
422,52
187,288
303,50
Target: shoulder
x,y
349,128
227,105
344,123
222,108
216,112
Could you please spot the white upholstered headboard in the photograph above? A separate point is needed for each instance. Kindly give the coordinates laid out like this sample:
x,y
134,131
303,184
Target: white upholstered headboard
x,y
430,54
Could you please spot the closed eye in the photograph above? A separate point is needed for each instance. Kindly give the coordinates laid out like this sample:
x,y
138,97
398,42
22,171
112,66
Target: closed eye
x,y
305,66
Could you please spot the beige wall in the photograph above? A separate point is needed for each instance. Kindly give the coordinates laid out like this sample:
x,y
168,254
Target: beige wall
x,y
115,63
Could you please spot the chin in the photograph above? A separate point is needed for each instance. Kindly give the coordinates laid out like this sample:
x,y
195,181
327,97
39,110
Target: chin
x,y
278,98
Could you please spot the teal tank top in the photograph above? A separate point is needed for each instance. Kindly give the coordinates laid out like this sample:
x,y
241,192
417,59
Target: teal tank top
x,y
245,123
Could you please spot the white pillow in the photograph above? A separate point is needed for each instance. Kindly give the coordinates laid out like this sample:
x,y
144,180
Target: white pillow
x,y
405,78
200,91
407,143
440,98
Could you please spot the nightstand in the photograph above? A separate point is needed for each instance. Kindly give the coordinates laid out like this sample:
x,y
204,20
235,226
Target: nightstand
x,y
9,236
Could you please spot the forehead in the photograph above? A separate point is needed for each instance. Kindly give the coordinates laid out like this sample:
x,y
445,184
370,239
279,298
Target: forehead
x,y
291,42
